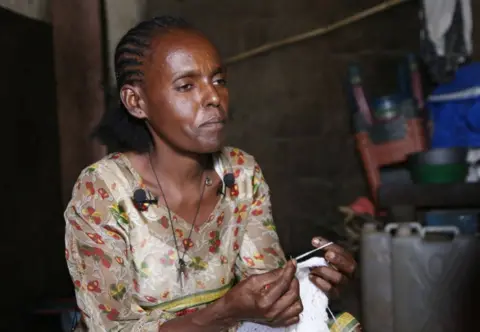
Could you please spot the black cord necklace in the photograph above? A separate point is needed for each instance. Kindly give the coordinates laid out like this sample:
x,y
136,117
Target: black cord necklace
x,y
182,266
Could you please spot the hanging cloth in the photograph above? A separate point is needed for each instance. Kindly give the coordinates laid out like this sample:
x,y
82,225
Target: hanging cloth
x,y
446,36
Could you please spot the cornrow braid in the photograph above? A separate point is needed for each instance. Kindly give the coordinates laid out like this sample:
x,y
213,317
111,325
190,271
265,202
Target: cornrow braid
x,y
118,129
131,49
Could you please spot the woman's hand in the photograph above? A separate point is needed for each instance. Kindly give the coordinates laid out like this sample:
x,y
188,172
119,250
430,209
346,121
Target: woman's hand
x,y
271,298
342,265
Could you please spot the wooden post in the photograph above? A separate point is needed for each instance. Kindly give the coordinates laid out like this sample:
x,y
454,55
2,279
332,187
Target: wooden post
x,y
77,35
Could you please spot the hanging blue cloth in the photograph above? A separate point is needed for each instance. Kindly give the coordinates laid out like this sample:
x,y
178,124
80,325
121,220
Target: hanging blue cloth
x,y
455,110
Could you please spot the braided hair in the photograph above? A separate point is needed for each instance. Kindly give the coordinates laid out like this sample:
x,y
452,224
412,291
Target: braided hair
x,y
118,129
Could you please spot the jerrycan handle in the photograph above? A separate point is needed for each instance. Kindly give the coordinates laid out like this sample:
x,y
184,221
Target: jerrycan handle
x,y
447,230
409,226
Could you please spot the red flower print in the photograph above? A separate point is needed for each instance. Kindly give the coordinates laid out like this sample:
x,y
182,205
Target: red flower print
x,y
240,213
185,312
258,202
169,258
258,257
249,261
235,246
103,193
179,233
93,286
151,299
91,251
257,212
113,314
97,254
214,241
92,214
67,254
223,259
235,232
96,238
200,284
112,232
234,191
187,243
115,156
220,219
164,222
237,156
77,284
165,295
119,260
270,251
136,286
75,224
141,206
90,188
106,262
237,173
222,281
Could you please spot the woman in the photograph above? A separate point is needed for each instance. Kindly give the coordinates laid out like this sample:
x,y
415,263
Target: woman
x,y
174,232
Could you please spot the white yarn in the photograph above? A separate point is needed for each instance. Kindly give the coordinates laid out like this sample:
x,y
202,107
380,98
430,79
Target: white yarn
x,y
315,303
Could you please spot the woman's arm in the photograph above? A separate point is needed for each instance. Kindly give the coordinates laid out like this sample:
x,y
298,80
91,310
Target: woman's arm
x,y
97,257
260,250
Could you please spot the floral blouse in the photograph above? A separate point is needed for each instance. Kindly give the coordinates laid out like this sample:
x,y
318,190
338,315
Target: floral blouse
x,y
123,261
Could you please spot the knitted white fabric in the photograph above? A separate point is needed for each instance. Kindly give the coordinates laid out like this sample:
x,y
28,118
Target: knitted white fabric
x,y
314,316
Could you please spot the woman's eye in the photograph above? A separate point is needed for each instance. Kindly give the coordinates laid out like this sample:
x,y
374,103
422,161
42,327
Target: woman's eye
x,y
185,87
220,81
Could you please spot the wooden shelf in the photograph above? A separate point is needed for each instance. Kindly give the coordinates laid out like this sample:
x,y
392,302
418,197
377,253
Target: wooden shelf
x,y
457,195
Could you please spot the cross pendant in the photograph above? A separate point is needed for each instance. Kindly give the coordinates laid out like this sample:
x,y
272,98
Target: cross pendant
x,y
182,271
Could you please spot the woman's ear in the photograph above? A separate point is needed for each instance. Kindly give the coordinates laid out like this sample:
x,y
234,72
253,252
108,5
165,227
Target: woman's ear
x,y
131,97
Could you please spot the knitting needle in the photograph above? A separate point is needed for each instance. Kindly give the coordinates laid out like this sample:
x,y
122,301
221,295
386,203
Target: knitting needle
x,y
312,251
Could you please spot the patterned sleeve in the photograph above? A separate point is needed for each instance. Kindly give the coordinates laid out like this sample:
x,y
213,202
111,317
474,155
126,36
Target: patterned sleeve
x,y
97,254
260,250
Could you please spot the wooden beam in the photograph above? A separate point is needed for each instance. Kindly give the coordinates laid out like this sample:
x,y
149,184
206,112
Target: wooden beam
x,y
77,34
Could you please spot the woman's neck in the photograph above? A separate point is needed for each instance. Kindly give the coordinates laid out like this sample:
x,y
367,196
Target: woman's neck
x,y
183,169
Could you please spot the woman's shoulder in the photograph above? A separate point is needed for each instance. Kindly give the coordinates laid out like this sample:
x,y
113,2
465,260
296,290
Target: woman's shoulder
x,y
111,164
108,173
245,168
238,158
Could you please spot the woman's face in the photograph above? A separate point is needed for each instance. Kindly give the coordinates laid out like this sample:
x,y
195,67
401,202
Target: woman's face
x,y
184,96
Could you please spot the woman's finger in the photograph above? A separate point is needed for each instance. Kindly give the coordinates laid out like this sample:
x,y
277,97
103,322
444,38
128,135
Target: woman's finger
x,y
277,288
341,260
289,316
329,274
287,300
319,241
324,285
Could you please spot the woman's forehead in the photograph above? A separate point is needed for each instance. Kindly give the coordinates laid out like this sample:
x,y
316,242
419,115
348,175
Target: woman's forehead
x,y
180,51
